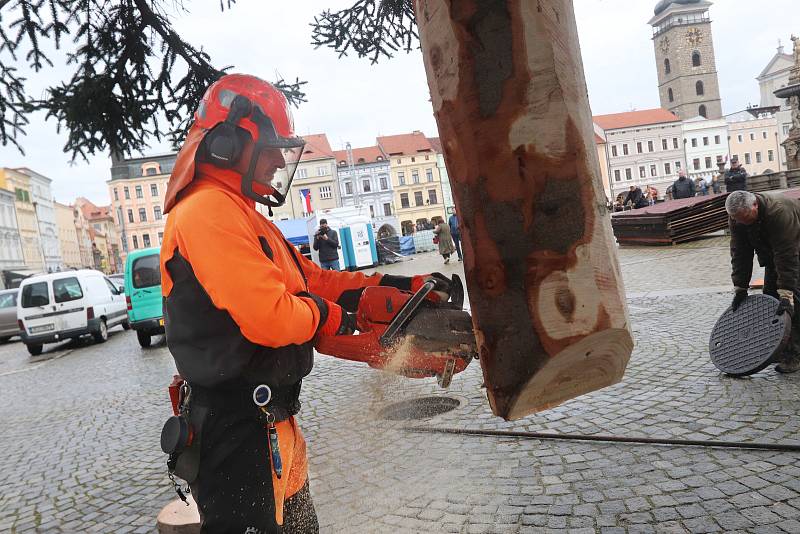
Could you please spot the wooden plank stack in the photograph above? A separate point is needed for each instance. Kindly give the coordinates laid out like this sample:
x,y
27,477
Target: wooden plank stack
x,y
675,221
671,222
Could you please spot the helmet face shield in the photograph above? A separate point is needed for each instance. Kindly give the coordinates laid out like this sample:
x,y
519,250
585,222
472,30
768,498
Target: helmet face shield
x,y
276,168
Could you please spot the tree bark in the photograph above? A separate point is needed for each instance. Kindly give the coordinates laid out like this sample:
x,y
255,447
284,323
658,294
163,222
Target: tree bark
x,y
510,99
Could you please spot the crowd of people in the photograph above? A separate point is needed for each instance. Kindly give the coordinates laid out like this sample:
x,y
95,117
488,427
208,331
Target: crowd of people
x,y
734,178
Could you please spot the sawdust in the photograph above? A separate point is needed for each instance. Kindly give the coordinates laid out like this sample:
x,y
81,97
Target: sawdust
x,y
387,384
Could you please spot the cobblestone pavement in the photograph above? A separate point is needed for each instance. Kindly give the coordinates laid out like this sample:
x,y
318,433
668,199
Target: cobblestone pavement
x,y
81,426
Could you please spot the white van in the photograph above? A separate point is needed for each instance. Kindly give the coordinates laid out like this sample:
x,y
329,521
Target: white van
x,y
66,305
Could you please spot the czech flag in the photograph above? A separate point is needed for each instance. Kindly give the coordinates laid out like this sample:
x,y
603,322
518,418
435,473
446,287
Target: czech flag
x,y
305,200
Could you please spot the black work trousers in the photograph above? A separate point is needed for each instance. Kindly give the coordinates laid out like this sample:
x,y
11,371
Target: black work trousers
x,y
233,488
771,289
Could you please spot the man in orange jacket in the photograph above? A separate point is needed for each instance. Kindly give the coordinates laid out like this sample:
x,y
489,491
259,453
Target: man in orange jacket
x,y
243,309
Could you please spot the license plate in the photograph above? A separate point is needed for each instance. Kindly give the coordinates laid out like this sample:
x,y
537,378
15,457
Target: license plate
x,y
43,328
161,322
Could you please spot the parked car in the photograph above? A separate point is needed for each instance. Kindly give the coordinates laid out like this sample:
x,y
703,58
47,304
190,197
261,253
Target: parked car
x,y
143,294
118,280
67,305
9,327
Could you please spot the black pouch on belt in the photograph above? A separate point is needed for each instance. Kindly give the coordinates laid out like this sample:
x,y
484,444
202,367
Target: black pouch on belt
x,y
181,438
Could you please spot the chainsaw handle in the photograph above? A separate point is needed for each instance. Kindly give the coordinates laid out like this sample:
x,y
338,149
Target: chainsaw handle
x,y
405,313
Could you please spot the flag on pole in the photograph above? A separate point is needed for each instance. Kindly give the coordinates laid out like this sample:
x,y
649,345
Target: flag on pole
x,y
305,200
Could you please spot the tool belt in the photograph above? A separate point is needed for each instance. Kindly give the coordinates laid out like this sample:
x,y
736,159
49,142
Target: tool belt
x,y
284,403
182,434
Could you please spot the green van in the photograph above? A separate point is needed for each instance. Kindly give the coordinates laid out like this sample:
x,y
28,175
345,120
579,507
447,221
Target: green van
x,y
143,294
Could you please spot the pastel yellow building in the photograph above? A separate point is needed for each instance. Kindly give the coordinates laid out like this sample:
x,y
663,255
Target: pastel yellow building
x,y
417,186
20,184
757,143
68,236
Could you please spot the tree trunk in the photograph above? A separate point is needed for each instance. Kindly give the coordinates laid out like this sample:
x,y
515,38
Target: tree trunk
x,y
510,99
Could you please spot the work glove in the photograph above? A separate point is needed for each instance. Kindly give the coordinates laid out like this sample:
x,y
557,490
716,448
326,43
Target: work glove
x,y
787,302
738,298
441,289
333,320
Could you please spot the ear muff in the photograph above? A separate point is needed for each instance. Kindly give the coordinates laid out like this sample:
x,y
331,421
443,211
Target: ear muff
x,y
224,142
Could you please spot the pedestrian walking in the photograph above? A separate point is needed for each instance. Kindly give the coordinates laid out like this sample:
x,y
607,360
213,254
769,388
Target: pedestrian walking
x,y
455,231
446,245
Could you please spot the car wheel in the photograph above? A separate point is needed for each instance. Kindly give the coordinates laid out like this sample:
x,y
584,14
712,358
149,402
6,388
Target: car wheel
x,y
35,350
101,335
126,325
144,339
4,339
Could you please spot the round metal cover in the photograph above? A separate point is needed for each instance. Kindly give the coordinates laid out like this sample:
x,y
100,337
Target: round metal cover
x,y
421,408
748,340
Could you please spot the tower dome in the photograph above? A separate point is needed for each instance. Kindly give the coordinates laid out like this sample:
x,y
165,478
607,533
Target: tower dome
x,y
664,4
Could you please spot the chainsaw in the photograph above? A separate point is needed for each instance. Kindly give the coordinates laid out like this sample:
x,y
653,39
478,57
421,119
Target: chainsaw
x,y
407,334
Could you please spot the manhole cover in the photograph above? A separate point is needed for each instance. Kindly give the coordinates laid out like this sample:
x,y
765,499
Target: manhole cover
x,y
421,408
747,341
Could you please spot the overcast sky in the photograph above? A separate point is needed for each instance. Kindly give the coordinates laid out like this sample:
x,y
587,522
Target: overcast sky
x,y
352,100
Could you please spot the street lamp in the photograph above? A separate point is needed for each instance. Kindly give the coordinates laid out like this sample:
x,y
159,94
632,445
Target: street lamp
x,y
39,235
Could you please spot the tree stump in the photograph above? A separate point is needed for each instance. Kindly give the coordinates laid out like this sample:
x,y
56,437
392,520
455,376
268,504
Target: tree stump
x,y
510,99
177,518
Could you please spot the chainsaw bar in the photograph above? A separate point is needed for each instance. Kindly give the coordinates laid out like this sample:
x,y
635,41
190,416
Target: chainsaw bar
x,y
748,340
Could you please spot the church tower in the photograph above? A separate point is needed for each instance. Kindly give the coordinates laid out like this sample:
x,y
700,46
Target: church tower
x,y
687,69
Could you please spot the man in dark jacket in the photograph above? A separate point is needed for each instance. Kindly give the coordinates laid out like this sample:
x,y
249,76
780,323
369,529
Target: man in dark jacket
x,y
682,187
736,176
768,225
455,232
635,198
326,241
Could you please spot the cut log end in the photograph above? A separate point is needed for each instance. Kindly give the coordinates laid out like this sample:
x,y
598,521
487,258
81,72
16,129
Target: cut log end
x,y
595,362
177,518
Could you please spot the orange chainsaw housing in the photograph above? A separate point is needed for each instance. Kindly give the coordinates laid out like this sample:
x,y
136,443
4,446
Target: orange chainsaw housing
x,y
377,308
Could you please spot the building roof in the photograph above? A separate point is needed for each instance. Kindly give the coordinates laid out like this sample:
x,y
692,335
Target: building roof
x,y
92,212
405,144
317,147
598,140
630,119
369,154
664,4
436,143
780,55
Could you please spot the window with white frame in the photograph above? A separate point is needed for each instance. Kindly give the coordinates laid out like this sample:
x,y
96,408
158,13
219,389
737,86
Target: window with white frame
x,y
628,174
139,192
642,172
653,171
747,159
325,192
387,209
764,135
157,213
758,157
153,190
667,169
384,183
429,174
348,188
401,177
771,155
366,186
302,173
664,144
614,150
617,176
322,170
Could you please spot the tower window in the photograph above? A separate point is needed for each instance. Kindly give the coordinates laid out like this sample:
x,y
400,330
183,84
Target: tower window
x,y
703,112
670,95
701,90
696,61
667,68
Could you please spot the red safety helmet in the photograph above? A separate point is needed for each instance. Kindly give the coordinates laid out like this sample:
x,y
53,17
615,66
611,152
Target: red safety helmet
x,y
235,111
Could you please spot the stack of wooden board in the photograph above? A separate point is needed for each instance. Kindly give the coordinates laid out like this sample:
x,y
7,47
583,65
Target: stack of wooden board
x,y
671,222
676,221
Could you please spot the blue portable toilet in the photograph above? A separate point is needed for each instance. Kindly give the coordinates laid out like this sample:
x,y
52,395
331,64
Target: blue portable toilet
x,y
358,246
